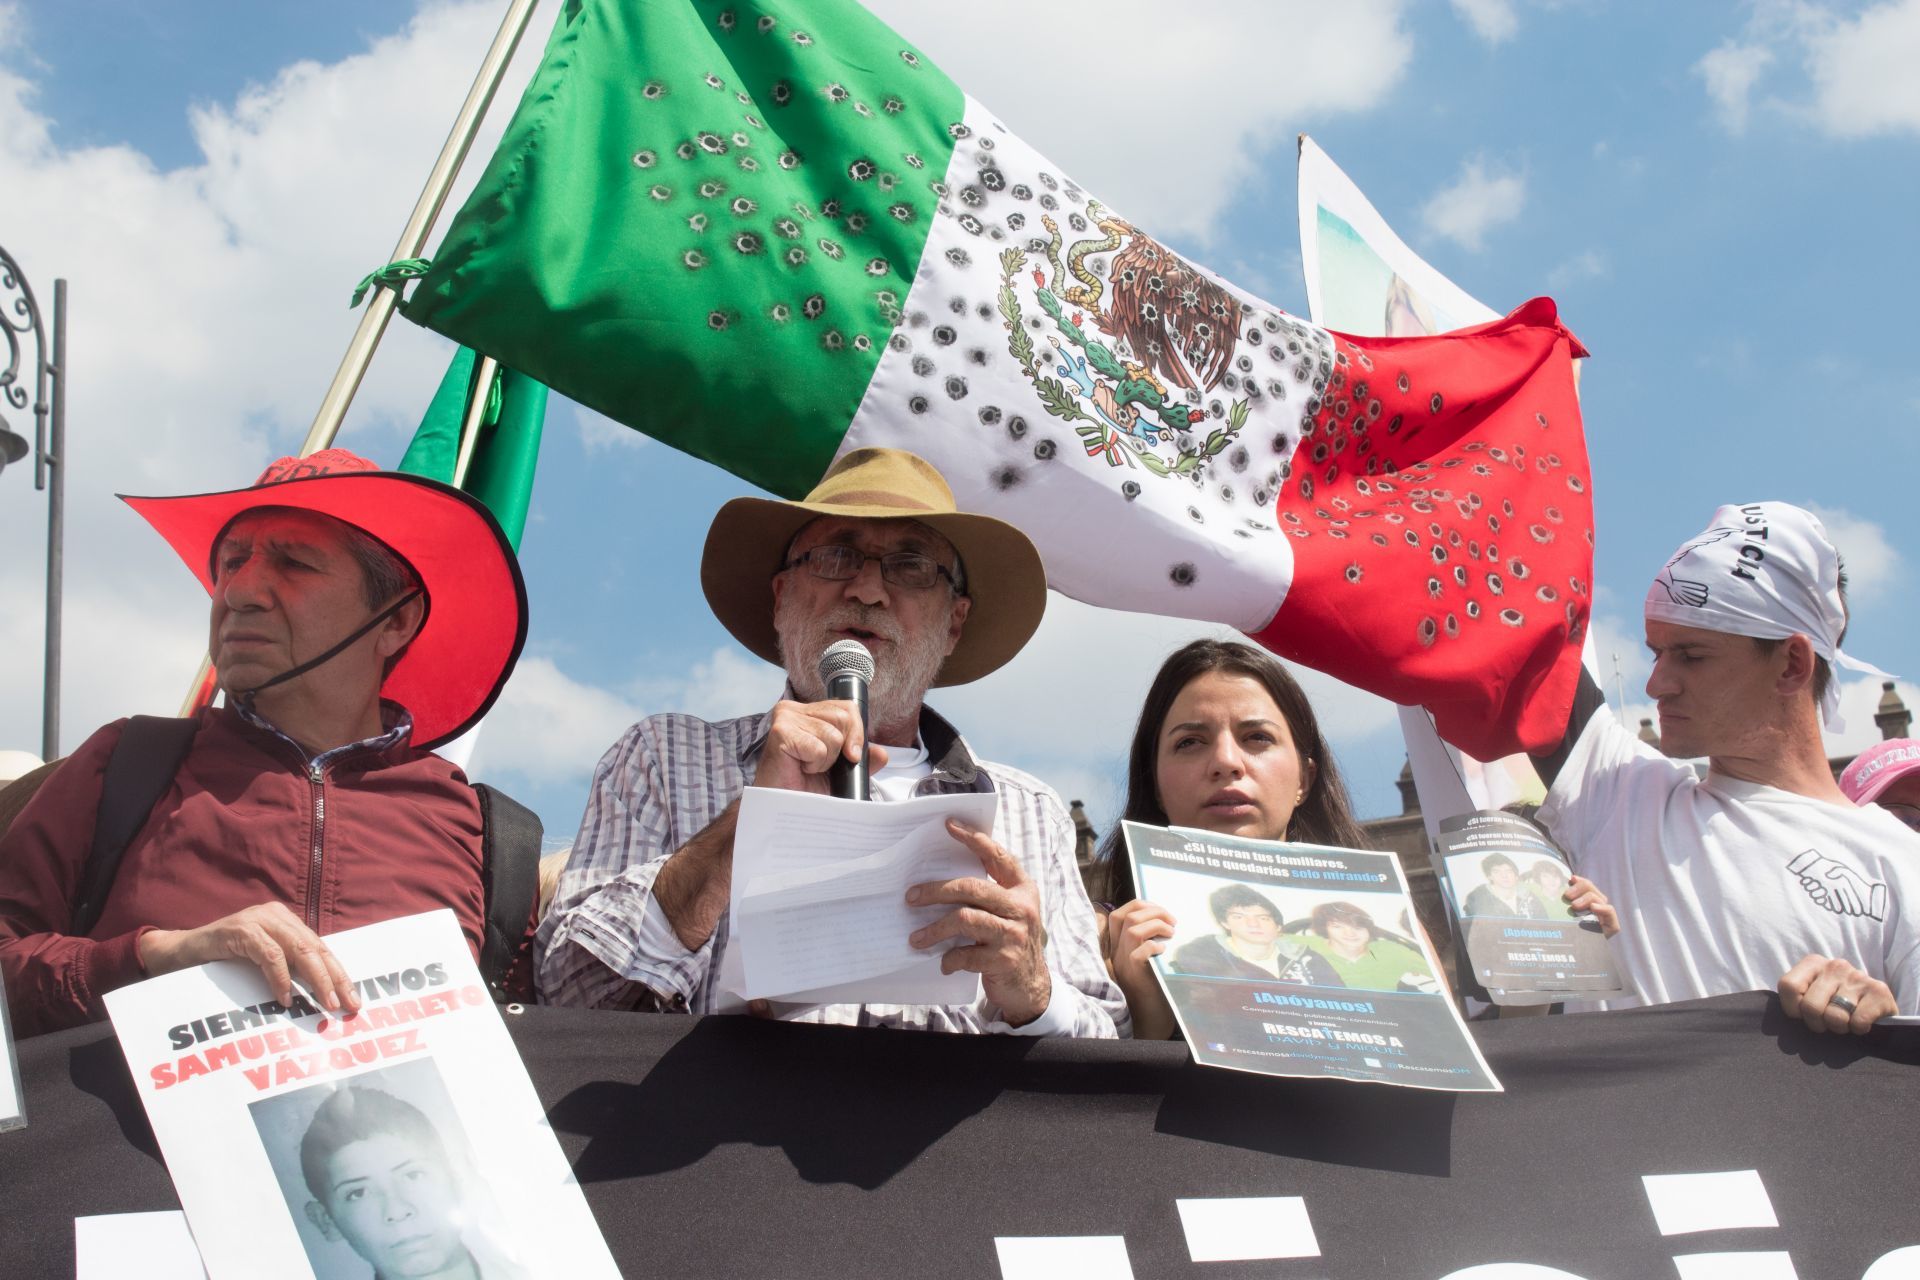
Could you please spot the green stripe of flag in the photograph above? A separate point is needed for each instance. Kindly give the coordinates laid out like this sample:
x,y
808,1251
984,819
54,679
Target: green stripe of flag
x,y
500,473
730,204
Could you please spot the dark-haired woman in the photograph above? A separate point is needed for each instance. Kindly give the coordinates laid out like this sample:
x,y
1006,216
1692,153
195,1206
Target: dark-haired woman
x,y
1227,742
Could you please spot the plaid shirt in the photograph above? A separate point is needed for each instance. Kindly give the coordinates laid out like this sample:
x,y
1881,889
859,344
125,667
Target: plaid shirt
x,y
607,944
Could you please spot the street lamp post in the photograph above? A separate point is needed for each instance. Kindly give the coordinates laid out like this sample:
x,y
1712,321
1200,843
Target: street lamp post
x,y
20,318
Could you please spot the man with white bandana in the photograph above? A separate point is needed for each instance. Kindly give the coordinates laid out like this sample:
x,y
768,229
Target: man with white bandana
x,y
1763,874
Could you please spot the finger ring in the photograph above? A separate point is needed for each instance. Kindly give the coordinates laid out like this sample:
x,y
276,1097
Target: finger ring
x,y
1841,1002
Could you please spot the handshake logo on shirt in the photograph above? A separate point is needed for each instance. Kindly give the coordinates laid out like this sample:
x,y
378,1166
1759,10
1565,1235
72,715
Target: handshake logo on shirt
x,y
1838,888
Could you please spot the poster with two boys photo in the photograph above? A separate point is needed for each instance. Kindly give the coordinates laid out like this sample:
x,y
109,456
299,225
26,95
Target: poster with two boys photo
x,y
1301,960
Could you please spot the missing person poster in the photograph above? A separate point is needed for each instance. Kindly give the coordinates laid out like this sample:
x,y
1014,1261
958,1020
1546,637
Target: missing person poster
x,y
1506,883
404,1141
1301,960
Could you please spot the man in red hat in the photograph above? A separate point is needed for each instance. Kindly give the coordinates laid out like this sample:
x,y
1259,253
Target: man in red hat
x,y
359,618
876,553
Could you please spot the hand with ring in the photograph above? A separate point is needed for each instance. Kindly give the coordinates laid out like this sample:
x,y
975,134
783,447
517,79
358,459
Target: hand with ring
x,y
1832,995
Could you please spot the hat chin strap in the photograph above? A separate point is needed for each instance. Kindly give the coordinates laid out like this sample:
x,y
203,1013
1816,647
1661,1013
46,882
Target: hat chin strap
x,y
246,696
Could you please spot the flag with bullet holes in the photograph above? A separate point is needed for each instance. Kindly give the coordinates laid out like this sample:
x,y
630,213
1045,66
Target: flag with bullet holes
x,y
767,233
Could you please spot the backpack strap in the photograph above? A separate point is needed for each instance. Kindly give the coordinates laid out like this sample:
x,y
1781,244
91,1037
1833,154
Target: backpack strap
x,y
141,768
510,848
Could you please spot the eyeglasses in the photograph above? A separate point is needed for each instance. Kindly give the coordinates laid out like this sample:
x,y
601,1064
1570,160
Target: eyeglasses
x,y
907,569
1907,813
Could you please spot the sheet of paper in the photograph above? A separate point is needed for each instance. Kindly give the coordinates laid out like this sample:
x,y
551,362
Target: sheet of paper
x,y
12,1113
1053,1257
155,1246
1234,1229
819,912
1735,1266
1684,1202
247,1095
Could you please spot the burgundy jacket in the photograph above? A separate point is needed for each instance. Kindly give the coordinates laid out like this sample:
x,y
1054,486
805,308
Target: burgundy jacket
x,y
379,834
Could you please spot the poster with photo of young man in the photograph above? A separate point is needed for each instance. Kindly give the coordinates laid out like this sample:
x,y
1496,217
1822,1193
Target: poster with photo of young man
x,y
1301,960
405,1140
1524,944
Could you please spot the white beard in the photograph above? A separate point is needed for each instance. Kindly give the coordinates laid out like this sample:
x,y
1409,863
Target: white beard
x,y
900,680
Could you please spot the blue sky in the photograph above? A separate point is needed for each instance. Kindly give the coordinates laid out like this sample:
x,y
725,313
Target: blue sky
x,y
1721,196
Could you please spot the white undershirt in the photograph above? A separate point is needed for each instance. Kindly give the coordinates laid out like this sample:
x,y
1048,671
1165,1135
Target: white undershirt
x,y
905,767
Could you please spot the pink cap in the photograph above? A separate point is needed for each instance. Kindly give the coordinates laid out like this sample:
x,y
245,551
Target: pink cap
x,y
1879,767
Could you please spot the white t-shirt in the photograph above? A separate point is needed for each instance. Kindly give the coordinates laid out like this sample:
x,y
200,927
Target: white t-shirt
x,y
1724,885
905,767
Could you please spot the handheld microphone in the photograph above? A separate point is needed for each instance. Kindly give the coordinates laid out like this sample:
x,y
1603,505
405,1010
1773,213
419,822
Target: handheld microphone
x,y
846,668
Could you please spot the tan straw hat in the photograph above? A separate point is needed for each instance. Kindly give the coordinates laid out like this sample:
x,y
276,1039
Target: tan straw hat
x,y
748,543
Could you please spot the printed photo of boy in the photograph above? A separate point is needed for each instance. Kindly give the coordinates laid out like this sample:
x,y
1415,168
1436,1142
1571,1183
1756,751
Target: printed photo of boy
x,y
375,1173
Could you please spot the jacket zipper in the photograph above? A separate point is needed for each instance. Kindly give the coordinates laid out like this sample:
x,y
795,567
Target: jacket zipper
x,y
317,856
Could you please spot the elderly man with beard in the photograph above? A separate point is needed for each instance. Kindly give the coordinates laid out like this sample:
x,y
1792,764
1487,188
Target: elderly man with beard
x,y
876,553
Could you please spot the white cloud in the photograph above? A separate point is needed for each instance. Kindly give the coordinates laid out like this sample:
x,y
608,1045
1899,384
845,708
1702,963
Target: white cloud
x,y
1288,65
1859,699
106,674
1621,648
1857,64
1731,72
601,434
1482,198
1863,71
1492,20
1873,566
728,682
549,727
1588,264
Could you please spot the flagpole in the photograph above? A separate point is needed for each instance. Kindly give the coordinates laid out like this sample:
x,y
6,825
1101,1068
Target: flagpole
x,y
413,239
373,322
477,398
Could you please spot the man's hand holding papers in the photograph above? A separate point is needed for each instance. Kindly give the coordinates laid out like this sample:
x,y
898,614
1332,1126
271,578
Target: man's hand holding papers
x,y
997,924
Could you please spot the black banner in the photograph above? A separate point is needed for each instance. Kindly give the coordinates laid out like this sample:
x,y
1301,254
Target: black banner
x,y
723,1147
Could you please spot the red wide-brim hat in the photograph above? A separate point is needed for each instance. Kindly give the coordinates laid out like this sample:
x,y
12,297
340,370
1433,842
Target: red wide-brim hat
x,y
476,618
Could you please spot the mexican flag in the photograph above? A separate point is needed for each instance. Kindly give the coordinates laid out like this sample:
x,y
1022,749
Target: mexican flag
x,y
768,233
500,471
